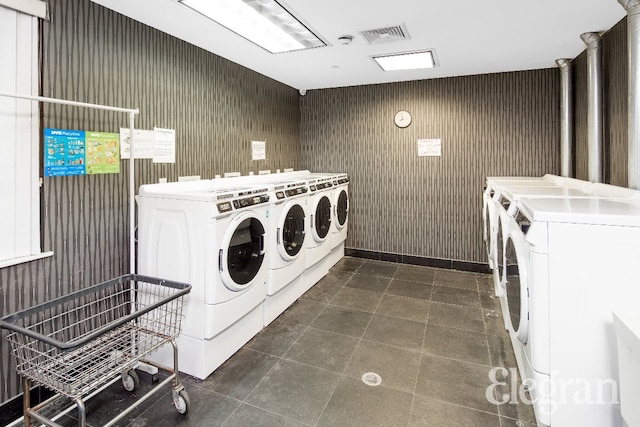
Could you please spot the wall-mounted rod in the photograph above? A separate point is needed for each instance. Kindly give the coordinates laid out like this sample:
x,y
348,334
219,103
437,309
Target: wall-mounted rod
x,y
594,107
132,114
566,118
633,95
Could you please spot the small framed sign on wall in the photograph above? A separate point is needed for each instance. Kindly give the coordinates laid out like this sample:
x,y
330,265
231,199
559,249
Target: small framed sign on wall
x,y
430,147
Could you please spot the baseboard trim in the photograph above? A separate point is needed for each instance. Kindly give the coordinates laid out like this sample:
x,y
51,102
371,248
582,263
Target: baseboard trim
x,y
421,261
12,409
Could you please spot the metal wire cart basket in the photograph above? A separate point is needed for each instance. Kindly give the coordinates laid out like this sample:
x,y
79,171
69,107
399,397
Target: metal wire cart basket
x,y
78,343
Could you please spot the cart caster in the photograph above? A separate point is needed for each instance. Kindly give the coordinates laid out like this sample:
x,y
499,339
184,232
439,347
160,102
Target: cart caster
x,y
130,380
181,401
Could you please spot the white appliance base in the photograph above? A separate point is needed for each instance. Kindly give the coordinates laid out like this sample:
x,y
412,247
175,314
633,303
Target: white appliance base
x,y
199,358
280,278
336,254
315,273
276,304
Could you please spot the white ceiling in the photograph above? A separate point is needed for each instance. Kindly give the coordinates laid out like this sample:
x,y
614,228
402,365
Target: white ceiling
x,y
469,36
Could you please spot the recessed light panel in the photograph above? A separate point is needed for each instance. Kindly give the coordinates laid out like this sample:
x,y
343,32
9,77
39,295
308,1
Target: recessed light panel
x,y
263,22
406,60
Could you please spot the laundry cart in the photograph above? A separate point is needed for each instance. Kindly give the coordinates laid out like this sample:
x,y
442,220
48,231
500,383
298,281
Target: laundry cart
x,y
77,344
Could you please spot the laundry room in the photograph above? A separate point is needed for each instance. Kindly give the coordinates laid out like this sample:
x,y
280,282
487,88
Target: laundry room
x,y
395,319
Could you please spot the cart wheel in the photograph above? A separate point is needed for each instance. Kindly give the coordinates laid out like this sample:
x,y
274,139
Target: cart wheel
x,y
181,401
130,380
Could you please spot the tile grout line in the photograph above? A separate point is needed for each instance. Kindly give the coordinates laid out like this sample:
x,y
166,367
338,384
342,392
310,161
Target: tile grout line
x,y
353,352
282,357
484,323
424,337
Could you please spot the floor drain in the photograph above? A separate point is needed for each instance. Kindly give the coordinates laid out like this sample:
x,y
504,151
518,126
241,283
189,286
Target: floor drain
x,y
372,379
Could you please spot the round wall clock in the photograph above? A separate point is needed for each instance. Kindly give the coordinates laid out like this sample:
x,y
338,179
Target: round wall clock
x,y
402,119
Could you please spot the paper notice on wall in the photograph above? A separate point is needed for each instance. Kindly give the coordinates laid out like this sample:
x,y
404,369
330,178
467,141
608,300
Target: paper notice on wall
x,y
429,147
258,150
142,143
164,147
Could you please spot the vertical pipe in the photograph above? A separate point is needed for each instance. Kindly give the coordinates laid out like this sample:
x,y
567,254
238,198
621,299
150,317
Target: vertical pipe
x,y
594,107
633,93
132,197
566,118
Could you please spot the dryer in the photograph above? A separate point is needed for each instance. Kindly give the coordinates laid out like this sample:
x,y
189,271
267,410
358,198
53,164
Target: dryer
x,y
287,246
340,221
504,195
318,244
574,260
490,202
214,238
339,214
290,221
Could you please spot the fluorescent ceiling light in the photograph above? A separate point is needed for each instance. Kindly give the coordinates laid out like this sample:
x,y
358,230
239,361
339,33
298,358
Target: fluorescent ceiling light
x,y
406,61
263,22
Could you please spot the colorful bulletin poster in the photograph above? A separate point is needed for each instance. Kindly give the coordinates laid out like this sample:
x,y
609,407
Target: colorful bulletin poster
x,y
64,152
79,152
103,152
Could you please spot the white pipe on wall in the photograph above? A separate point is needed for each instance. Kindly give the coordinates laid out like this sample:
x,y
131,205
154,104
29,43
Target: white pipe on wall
x,y
566,118
594,107
633,95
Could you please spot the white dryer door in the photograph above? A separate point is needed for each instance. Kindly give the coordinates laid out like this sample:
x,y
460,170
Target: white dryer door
x,y
291,231
342,209
242,252
517,294
321,218
498,248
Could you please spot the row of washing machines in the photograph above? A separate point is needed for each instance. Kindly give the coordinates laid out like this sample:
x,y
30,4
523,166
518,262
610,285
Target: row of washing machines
x,y
249,245
564,255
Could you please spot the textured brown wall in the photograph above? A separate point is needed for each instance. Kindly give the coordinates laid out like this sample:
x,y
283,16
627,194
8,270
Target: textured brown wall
x,y
615,83
498,124
580,116
94,55
614,108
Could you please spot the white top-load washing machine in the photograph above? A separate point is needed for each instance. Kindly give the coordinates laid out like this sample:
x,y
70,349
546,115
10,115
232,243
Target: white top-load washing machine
x,y
572,261
214,238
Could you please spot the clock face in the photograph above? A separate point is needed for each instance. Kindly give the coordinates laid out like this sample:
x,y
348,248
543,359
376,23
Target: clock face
x,y
402,119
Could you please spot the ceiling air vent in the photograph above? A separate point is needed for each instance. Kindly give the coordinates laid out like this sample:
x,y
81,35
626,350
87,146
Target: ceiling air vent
x,y
386,34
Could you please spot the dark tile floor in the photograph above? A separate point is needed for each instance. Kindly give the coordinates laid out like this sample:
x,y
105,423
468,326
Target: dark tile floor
x,y
432,335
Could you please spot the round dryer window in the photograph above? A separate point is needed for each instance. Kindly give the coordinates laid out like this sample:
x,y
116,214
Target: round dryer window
x,y
342,208
515,293
322,219
291,233
499,251
246,251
